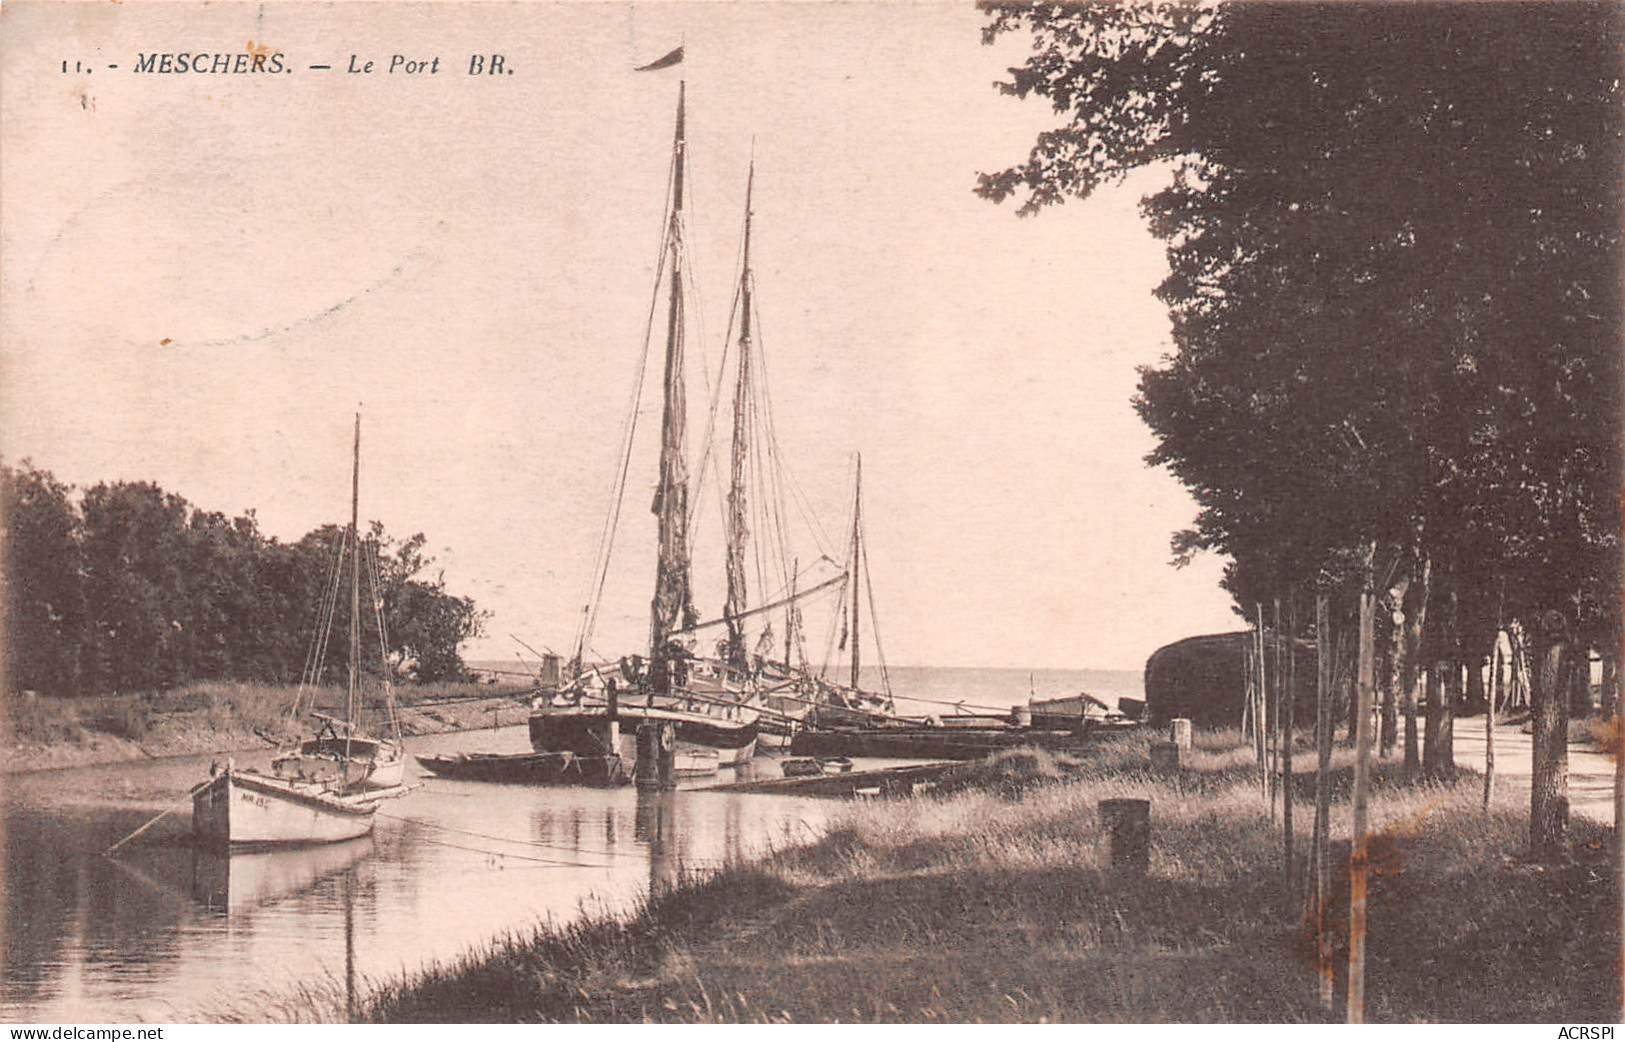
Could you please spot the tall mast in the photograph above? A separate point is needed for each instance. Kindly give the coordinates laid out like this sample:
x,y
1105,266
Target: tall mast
x,y
738,509
671,603
857,522
355,577
790,613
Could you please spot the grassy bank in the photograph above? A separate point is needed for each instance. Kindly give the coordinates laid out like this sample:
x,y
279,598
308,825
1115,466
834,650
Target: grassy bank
x,y
990,902
44,733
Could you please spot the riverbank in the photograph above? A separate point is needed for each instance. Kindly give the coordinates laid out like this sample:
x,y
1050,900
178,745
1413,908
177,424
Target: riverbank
x,y
991,903
49,734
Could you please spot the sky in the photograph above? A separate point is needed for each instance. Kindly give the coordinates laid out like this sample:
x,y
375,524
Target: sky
x,y
203,277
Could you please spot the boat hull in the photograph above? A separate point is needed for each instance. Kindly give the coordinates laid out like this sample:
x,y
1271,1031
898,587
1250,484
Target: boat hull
x,y
590,731
242,809
388,771
933,743
551,768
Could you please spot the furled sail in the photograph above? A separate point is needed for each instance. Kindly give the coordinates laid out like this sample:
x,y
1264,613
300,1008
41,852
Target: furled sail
x,y
738,508
673,604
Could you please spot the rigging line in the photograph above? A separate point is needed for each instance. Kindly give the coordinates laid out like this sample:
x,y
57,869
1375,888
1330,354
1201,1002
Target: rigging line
x,y
800,595
848,566
820,537
755,463
874,618
774,474
604,546
426,823
716,397
760,477
710,434
834,628
691,277
307,675
325,621
327,626
774,454
383,643
744,702
595,588
321,608
544,861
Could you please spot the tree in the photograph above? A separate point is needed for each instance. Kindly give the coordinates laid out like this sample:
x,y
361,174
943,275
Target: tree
x,y
132,589
43,587
1394,250
134,535
426,625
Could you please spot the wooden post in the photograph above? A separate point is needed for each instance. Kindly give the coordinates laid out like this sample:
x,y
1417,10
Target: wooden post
x,y
1291,692
1617,751
1260,717
1275,719
1362,766
1493,691
1128,834
657,756
1323,793
1340,857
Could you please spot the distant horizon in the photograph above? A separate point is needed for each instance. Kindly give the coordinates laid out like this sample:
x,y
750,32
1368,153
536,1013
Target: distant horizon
x,y
477,663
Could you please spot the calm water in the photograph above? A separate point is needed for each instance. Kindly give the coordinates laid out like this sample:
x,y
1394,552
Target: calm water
x,y
1001,688
167,933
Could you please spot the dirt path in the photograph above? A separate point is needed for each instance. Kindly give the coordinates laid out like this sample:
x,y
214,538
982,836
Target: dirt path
x,y
1591,772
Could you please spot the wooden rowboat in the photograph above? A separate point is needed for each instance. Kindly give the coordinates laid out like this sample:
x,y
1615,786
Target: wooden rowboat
x,y
556,768
813,766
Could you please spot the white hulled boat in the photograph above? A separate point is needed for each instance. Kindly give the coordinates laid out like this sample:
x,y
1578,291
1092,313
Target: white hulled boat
x,y
327,787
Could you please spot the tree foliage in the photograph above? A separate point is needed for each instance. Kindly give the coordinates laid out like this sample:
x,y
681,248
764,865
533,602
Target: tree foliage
x,y
132,588
1394,248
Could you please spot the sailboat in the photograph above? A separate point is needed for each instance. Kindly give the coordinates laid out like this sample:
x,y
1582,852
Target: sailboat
x,y
708,703
818,701
328,786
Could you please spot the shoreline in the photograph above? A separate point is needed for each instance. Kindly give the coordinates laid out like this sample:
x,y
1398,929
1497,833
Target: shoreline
x,y
225,726
990,900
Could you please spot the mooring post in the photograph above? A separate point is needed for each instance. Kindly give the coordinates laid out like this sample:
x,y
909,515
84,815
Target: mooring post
x,y
1165,756
1362,767
1179,732
1334,935
657,756
1128,834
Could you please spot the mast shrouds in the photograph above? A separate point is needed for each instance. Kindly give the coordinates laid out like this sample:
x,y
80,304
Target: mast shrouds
x,y
672,605
857,546
738,507
355,579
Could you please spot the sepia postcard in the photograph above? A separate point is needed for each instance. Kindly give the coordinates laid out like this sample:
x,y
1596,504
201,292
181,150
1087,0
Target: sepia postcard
x,y
783,512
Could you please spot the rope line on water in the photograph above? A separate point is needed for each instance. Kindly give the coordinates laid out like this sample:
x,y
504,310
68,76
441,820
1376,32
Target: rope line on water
x,y
517,842
641,855
546,862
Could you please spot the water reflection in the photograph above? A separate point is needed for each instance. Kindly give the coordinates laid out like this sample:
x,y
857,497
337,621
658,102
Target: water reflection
x,y
655,824
232,884
169,932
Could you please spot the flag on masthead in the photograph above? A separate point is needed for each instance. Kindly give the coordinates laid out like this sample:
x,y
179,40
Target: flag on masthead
x,y
662,63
